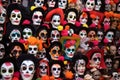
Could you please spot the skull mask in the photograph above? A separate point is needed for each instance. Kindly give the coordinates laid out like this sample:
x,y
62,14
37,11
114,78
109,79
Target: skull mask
x,y
55,53
83,34
15,17
55,21
70,51
71,17
100,35
108,63
83,18
7,71
37,18
27,69
118,7
62,4
109,36
56,70
96,20
98,5
2,51
43,35
27,32
51,3
71,32
42,54
1,33
2,15
15,35
55,35
90,4
39,3
43,66
33,49
92,35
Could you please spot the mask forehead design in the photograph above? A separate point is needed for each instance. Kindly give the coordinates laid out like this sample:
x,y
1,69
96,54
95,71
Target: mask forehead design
x,y
15,17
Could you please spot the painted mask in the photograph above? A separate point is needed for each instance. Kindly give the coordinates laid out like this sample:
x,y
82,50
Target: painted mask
x,y
108,7
27,69
83,34
15,17
33,49
108,63
96,20
51,3
2,51
96,58
43,66
2,15
80,66
7,71
70,51
55,35
116,76
55,53
71,32
56,70
83,18
55,21
71,17
92,35
15,35
98,5
39,3
110,36
37,18
62,4
16,52
43,34
27,32
90,4
41,54
1,33
118,7
100,35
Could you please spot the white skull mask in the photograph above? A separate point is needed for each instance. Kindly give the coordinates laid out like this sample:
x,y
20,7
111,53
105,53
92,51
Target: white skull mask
x,y
2,15
55,35
33,49
15,17
37,18
15,35
39,3
43,68
83,34
98,5
7,71
42,54
70,32
70,51
62,4
2,51
51,3
1,33
27,32
55,21
71,17
83,19
56,70
109,36
27,69
90,4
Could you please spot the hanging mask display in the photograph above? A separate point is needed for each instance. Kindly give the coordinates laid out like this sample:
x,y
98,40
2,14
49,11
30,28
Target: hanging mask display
x,y
2,15
15,17
55,50
55,35
89,5
39,3
2,50
15,35
62,4
27,32
27,64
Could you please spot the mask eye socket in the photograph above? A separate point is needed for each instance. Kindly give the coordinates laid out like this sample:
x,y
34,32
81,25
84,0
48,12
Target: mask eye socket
x,y
30,68
24,68
54,51
4,71
13,15
10,70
